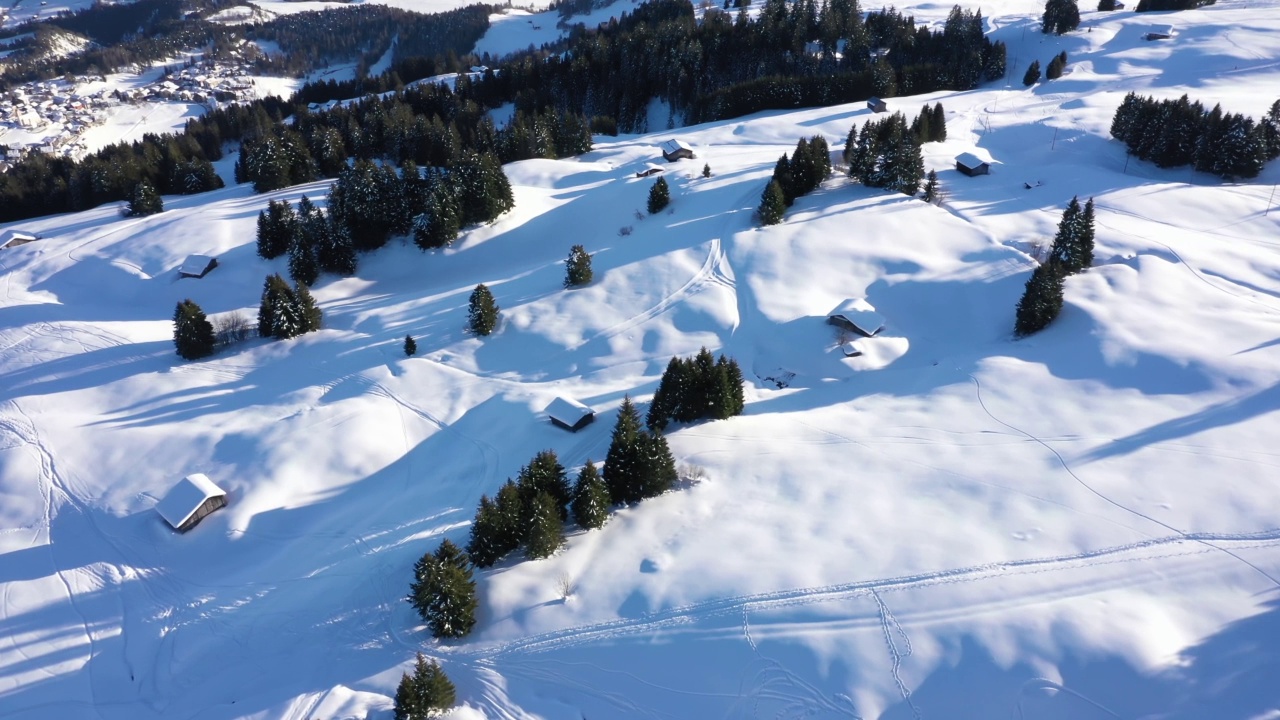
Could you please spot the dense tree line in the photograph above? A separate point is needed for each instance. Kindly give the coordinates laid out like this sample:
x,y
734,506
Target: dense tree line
x,y
931,124
695,388
1178,132
794,177
885,154
723,66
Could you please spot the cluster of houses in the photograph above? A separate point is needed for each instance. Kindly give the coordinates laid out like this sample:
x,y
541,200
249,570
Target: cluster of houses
x,y
207,82
54,112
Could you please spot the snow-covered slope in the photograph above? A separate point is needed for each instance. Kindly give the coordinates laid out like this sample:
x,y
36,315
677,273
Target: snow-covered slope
x,y
1076,525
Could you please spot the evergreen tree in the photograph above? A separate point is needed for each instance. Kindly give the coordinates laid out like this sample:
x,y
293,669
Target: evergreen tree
x,y
931,188
488,532
1041,301
546,529
1270,128
920,127
545,474
437,225
275,294
672,389
578,267
786,180
275,229
1106,5
426,694
657,465
590,498
1085,239
309,313
621,464
444,592
659,196
304,268
192,332
1032,75
482,312
938,123
773,204
511,514
1054,70
410,346
1060,16
144,201
706,170
1073,243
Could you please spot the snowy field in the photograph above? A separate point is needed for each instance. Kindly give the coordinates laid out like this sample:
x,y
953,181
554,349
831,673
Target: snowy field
x,y
1079,525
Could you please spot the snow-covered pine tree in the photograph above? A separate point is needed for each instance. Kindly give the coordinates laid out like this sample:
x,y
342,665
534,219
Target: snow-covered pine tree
x,y
659,197
275,292
577,267
192,332
545,474
546,529
304,268
1060,16
482,311
666,400
410,346
1032,75
773,204
1041,301
435,691
144,201
931,188
656,464
622,469
590,504
486,545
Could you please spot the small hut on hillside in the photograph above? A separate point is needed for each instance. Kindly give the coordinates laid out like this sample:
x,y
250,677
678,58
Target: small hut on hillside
x,y
197,266
193,498
1158,32
875,104
972,165
570,414
857,315
673,150
17,237
650,169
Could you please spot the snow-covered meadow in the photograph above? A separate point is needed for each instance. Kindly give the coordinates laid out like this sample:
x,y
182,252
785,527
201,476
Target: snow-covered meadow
x,y
1081,524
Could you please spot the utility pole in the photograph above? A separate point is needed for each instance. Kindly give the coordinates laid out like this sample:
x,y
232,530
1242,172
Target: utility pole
x,y
1273,196
1055,139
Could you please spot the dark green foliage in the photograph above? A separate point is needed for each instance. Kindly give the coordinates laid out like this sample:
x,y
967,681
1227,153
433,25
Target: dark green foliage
x,y
426,694
496,528
1073,244
1042,300
304,267
545,474
1032,76
577,267
773,204
277,159
622,468
938,123
1060,16
545,532
410,346
438,222
444,592
696,388
931,191
886,154
590,504
1056,66
194,176
192,332
1106,5
481,188
482,311
930,125
1163,5
369,202
286,312
657,465
786,181
1270,129
659,196
1179,132
144,201
706,170
276,226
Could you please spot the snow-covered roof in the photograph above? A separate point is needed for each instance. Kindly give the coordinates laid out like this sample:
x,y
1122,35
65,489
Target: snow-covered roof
x,y
859,313
1166,30
195,265
673,145
568,411
970,160
186,497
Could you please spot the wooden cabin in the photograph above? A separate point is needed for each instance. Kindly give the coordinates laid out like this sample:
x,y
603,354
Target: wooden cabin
x,y
190,501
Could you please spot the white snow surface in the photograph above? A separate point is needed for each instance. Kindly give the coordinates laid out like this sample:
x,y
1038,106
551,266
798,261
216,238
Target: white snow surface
x,y
1080,524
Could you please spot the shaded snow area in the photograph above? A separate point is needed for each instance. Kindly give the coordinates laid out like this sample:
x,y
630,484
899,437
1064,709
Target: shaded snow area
x,y
955,524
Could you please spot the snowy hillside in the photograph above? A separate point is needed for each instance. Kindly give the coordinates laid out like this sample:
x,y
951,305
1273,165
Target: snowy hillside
x,y
957,524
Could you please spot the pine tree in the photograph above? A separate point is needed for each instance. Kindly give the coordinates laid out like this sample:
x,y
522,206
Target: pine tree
x,y
410,346
1032,75
938,123
1085,239
1073,243
546,529
437,225
275,294
1106,5
578,267
659,196
488,532
426,694
444,592
304,268
510,507
309,313
144,201
621,464
657,465
276,227
1054,70
482,312
706,170
545,474
786,180
1270,127
192,332
772,204
1060,16
666,400
931,187
1041,301
920,127
590,498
